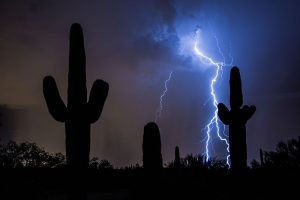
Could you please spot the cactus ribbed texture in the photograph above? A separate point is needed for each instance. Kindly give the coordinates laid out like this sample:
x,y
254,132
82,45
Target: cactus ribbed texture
x,y
236,118
152,158
79,113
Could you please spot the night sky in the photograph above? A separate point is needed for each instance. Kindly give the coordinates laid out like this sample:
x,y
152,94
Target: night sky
x,y
133,45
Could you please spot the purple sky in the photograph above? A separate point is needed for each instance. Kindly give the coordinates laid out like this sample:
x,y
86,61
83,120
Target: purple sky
x,y
133,45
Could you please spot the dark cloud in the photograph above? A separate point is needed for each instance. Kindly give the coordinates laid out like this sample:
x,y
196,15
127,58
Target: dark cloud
x,y
168,13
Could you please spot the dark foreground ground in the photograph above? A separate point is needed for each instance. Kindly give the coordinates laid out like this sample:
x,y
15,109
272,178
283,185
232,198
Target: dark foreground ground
x,y
135,184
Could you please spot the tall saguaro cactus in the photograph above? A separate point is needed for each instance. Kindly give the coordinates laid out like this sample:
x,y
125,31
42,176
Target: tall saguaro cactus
x,y
152,158
79,113
236,118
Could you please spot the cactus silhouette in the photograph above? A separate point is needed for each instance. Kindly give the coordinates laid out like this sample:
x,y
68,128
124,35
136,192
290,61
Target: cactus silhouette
x,y
177,157
79,114
236,118
261,156
152,158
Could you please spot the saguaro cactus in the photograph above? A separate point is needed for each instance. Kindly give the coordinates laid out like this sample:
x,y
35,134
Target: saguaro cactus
x,y
236,118
79,114
152,158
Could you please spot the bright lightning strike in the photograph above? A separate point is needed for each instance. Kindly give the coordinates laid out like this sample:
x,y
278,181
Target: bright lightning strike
x,y
159,112
214,121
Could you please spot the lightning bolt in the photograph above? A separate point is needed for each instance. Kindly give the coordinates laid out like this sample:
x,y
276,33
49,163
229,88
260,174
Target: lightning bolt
x,y
214,121
161,99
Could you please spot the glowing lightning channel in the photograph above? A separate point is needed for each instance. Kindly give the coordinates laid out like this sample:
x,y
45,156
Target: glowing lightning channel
x,y
159,112
214,120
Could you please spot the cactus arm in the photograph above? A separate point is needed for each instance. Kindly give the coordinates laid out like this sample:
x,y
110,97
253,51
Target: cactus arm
x,y
97,99
236,94
54,102
248,111
223,113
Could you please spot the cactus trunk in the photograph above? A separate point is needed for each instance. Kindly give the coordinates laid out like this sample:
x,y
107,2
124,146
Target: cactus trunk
x,y
152,158
77,125
238,146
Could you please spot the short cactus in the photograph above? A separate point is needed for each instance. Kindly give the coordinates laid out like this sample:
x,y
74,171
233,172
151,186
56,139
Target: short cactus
x,y
236,118
261,155
177,157
79,113
152,158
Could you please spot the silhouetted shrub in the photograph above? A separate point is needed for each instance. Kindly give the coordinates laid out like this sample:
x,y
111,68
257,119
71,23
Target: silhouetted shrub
x,y
255,164
195,162
13,155
217,164
286,155
95,163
